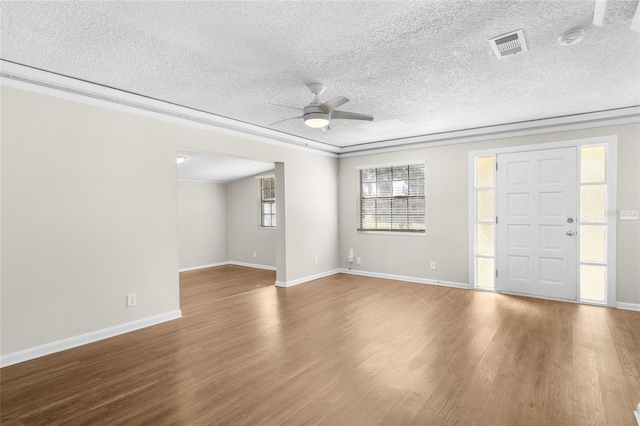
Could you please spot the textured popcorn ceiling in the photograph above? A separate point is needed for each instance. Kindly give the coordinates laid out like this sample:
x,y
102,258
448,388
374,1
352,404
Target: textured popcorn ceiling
x,y
202,166
419,67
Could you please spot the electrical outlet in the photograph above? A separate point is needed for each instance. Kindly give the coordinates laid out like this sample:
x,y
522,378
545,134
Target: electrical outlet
x,y
432,265
358,261
255,254
131,300
315,260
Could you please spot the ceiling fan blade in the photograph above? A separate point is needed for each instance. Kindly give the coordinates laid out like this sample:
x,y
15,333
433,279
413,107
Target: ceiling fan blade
x,y
338,115
286,106
333,104
286,119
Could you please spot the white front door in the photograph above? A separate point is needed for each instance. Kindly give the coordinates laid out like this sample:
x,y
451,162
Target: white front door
x,y
537,223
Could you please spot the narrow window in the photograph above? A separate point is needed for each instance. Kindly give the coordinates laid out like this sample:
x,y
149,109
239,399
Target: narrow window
x,y
392,198
593,224
267,192
485,222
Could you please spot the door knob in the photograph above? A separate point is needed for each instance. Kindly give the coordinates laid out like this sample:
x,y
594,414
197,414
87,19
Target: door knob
x,y
571,233
570,220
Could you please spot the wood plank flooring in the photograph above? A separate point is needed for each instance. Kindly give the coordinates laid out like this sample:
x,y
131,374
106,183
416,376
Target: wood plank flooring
x,y
343,350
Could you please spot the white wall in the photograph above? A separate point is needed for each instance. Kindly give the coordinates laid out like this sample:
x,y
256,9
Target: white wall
x,y
203,223
447,237
89,213
245,234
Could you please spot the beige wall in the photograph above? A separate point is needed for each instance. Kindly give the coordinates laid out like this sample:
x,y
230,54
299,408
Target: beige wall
x,y
246,237
89,214
203,223
311,222
447,237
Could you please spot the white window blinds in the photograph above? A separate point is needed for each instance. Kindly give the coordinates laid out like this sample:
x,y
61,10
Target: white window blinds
x,y
267,189
392,198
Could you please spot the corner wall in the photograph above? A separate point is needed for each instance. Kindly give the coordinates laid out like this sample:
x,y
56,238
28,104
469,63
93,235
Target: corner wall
x,y
245,235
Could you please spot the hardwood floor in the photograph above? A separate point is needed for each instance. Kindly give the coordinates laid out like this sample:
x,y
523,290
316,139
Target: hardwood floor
x,y
343,350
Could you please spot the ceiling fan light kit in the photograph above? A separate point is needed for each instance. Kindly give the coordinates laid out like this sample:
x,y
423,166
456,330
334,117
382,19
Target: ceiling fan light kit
x,y
316,120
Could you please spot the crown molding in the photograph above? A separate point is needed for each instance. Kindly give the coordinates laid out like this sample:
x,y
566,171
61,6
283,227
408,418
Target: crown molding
x,y
44,82
534,127
60,86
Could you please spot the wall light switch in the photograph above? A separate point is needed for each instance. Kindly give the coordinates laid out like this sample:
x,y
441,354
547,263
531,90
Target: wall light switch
x,y
628,214
432,265
358,261
315,260
255,254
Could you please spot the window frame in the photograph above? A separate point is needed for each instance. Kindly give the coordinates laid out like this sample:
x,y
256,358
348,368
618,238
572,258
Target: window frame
x,y
360,199
262,201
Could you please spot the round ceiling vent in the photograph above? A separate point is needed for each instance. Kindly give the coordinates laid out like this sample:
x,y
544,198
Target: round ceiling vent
x,y
571,37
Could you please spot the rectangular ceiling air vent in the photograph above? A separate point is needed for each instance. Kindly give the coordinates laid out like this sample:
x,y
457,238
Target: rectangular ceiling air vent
x,y
509,44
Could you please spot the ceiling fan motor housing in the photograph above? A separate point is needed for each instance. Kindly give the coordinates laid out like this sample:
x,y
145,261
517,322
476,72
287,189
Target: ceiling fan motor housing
x,y
316,88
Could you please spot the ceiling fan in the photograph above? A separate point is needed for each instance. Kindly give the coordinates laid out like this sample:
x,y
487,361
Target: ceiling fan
x,y
318,115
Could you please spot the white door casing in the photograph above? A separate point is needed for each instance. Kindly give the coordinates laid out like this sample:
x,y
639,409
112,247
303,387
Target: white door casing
x,y
537,225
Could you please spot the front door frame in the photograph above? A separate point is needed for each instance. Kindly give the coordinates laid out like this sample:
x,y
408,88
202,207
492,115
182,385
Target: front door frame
x,y
611,143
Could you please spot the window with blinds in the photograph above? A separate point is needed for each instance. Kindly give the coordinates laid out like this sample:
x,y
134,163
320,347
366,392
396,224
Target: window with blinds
x,y
267,190
392,199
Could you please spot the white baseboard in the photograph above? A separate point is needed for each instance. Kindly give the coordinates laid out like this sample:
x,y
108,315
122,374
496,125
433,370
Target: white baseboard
x,y
210,265
252,265
307,279
405,278
628,306
83,339
372,275
230,262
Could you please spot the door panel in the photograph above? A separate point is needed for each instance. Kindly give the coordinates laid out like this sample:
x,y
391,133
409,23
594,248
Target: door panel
x,y
551,237
537,208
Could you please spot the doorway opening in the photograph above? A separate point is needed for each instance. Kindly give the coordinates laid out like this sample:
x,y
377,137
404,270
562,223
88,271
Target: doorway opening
x,y
225,213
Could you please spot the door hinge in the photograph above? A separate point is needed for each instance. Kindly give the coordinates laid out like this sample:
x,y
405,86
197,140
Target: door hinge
x,y
496,166
496,219
496,273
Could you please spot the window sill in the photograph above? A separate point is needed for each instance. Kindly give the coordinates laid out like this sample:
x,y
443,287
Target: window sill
x,y
403,233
